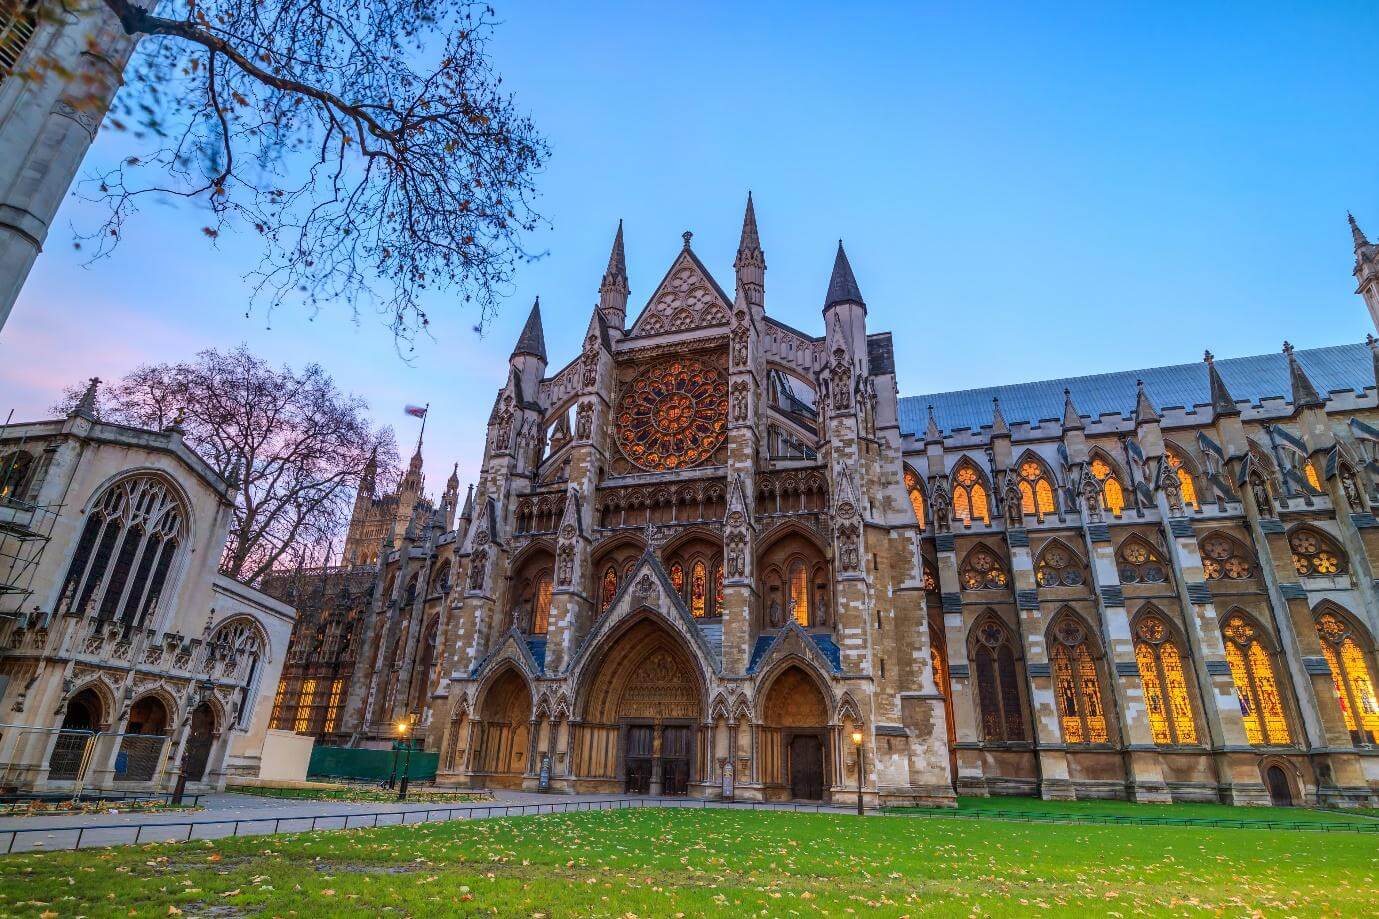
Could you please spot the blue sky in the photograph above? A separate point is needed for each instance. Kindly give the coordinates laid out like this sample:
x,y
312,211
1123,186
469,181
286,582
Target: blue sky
x,y
1024,193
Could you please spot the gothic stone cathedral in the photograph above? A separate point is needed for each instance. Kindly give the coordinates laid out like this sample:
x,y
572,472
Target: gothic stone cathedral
x,y
709,548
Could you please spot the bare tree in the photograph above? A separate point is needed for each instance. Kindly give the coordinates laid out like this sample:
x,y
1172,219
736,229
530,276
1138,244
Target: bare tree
x,y
368,144
291,443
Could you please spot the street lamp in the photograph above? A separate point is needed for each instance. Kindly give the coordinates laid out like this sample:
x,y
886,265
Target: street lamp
x,y
861,768
402,728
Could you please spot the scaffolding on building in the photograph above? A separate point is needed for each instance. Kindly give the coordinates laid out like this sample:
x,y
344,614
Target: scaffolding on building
x,y
25,530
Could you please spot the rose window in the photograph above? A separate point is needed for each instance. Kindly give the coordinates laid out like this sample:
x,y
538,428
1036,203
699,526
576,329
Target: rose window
x,y
673,415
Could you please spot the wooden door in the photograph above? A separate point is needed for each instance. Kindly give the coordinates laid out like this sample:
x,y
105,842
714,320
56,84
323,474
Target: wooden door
x,y
675,760
1280,792
637,758
806,768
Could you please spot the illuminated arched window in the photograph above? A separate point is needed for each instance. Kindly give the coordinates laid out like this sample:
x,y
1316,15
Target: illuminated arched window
x,y
16,475
608,588
1313,479
969,494
1165,687
1252,670
1185,484
982,570
1224,558
1140,563
998,686
1352,677
1058,566
125,551
718,589
915,489
1036,492
699,590
799,593
1112,494
677,577
541,611
1314,554
1077,687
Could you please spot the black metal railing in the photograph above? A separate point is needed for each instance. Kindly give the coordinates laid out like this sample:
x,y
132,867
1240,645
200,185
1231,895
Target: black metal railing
x,y
256,826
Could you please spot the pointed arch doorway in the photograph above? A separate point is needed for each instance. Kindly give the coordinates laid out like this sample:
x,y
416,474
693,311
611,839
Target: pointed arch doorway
x,y
794,737
643,714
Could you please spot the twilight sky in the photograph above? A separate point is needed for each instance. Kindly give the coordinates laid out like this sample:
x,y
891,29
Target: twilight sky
x,y
1023,194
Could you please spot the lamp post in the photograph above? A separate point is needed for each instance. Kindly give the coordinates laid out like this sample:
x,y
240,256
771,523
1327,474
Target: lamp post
x,y
861,767
402,728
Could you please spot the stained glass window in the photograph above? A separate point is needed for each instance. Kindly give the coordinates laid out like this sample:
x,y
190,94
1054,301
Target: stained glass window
x,y
799,594
1352,678
541,613
337,689
1225,558
677,577
1185,485
1312,478
1314,555
982,570
1112,495
930,582
969,495
998,689
608,588
1252,670
1036,494
1165,688
936,657
304,702
673,415
718,590
276,719
699,589
1058,567
1077,687
1140,563
915,490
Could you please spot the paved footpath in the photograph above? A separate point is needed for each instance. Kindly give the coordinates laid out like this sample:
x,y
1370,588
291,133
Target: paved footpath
x,y
253,815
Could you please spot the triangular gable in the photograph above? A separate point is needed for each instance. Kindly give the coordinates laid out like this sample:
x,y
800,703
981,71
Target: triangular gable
x,y
792,639
512,646
687,298
631,597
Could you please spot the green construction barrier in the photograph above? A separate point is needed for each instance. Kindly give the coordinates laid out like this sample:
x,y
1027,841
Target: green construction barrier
x,y
370,765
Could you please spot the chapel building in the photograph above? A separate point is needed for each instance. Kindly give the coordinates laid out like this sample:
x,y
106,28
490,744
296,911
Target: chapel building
x,y
712,548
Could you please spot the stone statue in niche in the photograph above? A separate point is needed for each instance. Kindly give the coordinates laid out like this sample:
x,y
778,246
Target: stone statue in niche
x,y
1352,491
848,554
842,381
1091,495
1170,486
584,420
739,401
565,565
941,508
1263,503
477,563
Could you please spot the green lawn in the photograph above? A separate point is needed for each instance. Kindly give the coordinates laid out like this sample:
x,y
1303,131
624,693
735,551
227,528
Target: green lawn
x,y
1035,806
655,862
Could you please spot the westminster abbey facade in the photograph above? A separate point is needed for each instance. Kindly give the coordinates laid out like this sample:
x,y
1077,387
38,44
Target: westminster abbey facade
x,y
712,549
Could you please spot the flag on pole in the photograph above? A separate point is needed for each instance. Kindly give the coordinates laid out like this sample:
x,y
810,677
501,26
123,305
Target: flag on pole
x,y
416,411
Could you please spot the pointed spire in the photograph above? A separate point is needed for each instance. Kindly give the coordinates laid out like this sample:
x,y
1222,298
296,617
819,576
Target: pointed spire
x,y
453,484
1144,409
617,263
932,435
749,245
86,405
1304,393
468,512
1356,233
1222,402
737,502
1072,421
368,477
842,286
532,340
999,427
